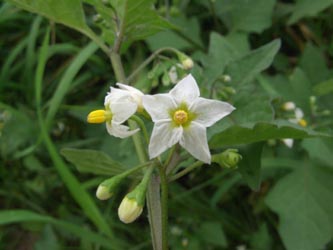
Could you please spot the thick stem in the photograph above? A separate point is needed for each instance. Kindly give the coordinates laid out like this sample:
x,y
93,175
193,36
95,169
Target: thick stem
x,y
153,193
164,205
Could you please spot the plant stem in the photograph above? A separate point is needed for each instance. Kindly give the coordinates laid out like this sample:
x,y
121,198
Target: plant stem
x,y
153,193
164,206
149,60
186,170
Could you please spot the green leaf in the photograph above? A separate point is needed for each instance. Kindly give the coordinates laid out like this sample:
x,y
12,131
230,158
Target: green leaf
x,y
244,15
320,149
190,28
221,52
19,216
211,232
313,63
303,201
250,165
308,8
324,88
247,67
69,13
138,19
92,161
261,131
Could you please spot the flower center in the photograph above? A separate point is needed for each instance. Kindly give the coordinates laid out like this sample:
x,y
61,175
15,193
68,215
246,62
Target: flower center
x,y
180,117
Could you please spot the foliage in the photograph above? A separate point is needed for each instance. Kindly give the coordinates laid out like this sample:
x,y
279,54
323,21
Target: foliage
x,y
257,55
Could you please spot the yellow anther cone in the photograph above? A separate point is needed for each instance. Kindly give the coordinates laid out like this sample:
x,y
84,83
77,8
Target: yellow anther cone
x,y
97,116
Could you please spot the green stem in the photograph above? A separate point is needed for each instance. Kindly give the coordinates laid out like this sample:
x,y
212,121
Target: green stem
x,y
142,126
164,206
149,60
153,195
186,170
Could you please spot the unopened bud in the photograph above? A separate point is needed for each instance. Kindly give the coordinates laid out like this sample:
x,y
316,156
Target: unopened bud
x,y
185,60
302,123
106,189
103,192
228,158
288,106
129,210
226,78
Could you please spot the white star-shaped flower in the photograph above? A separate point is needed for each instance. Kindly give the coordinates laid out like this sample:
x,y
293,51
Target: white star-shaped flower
x,y
120,104
183,116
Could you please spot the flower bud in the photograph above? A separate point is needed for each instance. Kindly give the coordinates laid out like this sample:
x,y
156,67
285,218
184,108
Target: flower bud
x,y
106,188
226,78
103,192
288,106
185,60
228,158
188,63
129,210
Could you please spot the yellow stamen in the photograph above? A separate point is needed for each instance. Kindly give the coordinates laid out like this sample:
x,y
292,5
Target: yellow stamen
x,y
302,123
97,116
180,117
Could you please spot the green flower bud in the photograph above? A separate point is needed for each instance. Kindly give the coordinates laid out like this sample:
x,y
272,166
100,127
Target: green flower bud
x,y
185,60
106,188
228,158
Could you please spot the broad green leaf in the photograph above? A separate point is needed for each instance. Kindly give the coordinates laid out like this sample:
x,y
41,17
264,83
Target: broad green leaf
x,y
320,149
244,15
247,67
303,201
261,131
19,216
313,63
324,88
220,53
211,232
308,8
250,165
136,18
262,239
92,161
67,12
190,28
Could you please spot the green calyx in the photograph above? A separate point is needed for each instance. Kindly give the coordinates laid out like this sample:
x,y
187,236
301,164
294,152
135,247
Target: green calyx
x,y
228,158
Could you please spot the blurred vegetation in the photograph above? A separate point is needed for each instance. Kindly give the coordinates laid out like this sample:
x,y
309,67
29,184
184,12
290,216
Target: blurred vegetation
x,y
279,198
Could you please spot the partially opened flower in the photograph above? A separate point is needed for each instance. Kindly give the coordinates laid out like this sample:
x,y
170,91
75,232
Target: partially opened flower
x,y
182,116
120,105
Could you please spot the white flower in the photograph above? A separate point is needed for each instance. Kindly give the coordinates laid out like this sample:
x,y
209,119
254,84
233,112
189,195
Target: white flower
x,y
120,105
135,94
182,116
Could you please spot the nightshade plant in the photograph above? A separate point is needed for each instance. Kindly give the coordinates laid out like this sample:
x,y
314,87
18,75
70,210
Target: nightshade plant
x,y
211,111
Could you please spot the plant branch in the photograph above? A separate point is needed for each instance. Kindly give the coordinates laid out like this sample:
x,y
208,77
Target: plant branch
x,y
149,60
186,171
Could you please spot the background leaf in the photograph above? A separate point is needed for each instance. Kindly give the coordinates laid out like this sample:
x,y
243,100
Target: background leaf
x,y
303,202
92,161
261,131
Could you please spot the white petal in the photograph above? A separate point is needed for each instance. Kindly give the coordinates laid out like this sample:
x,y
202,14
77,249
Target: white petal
x,y
194,140
299,113
163,137
130,89
186,90
288,142
119,130
210,111
122,109
158,106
